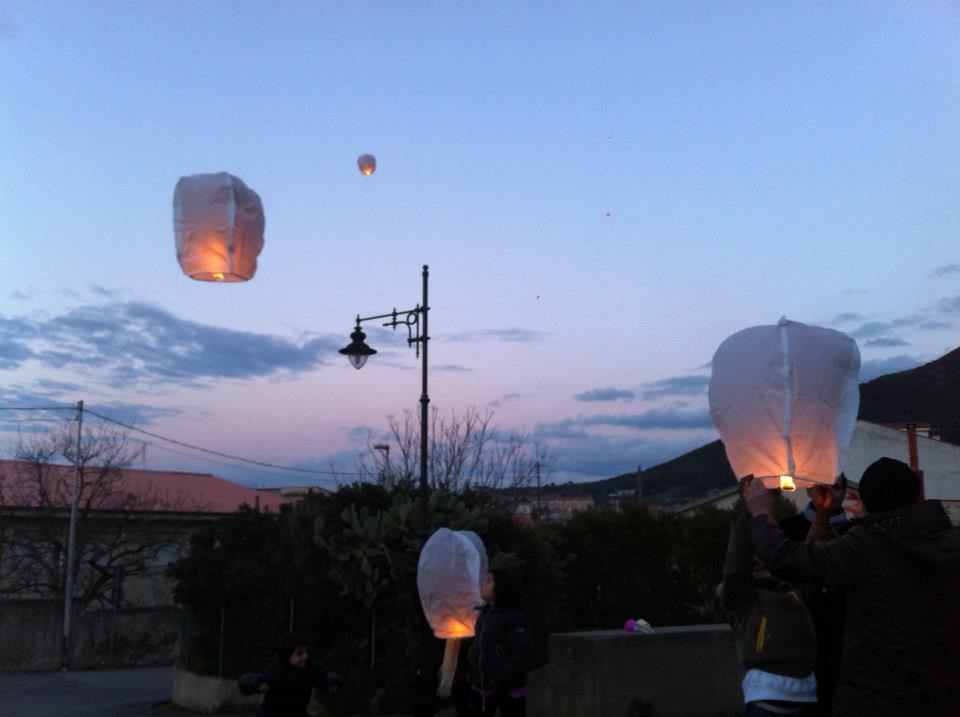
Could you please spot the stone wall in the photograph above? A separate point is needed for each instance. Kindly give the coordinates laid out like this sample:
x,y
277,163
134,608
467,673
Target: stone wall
x,y
30,636
675,672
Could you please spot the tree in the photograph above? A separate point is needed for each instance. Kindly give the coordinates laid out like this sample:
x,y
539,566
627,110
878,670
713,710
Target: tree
x,y
117,535
466,452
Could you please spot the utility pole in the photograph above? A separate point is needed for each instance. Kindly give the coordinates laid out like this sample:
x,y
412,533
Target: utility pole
x,y
71,543
639,484
539,504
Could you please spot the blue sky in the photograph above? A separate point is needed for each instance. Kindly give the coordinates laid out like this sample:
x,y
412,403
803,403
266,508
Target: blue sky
x,y
603,192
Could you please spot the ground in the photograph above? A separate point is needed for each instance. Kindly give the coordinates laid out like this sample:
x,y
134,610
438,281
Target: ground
x,y
104,693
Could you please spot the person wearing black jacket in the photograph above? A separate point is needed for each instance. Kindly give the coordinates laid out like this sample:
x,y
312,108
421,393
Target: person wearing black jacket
x,y
501,649
900,565
825,603
287,682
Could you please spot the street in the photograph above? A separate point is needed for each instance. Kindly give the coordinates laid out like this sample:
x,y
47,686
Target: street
x,y
102,693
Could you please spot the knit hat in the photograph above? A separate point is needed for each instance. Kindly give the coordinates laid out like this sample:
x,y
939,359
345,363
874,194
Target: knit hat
x,y
887,484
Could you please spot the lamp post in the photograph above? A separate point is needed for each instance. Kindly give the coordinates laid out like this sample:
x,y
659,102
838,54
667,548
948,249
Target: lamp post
x,y
358,352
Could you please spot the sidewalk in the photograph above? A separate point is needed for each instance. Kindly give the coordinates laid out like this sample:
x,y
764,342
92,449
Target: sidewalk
x,y
167,709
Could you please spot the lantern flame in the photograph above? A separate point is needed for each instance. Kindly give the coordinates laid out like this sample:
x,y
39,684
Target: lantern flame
x,y
787,484
218,276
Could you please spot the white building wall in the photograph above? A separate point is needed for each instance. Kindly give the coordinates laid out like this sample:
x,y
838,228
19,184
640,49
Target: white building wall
x,y
939,461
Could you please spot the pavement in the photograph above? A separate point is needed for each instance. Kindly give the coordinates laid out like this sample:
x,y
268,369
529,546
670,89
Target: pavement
x,y
143,692
82,693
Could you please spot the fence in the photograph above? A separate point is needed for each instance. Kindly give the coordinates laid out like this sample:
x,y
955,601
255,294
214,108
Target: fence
x,y
31,632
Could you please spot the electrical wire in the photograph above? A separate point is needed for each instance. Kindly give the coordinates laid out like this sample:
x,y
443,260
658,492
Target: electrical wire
x,y
228,456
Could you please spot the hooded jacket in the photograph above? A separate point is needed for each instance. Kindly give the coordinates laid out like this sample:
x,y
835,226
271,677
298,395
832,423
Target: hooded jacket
x,y
901,571
501,650
290,687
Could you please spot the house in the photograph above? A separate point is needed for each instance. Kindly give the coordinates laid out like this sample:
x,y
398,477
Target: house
x,y
551,507
132,524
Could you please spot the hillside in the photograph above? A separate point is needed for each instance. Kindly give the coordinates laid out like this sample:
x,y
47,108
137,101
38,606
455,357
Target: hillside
x,y
928,393
683,479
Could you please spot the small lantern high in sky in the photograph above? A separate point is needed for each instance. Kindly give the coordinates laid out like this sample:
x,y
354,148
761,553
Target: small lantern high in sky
x,y
367,164
452,565
785,401
218,222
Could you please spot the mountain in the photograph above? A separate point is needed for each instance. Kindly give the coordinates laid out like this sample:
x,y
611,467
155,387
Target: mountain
x,y
928,393
681,480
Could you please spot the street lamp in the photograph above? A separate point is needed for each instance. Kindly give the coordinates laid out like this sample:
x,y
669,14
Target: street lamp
x,y
358,352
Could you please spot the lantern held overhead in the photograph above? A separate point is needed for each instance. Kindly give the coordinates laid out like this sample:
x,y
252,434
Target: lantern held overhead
x,y
452,565
218,222
785,401
367,164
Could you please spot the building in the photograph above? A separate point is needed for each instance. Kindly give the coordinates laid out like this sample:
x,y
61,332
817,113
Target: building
x,y
132,524
551,507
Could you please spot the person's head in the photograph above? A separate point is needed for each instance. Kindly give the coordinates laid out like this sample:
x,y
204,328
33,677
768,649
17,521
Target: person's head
x,y
293,649
888,484
500,588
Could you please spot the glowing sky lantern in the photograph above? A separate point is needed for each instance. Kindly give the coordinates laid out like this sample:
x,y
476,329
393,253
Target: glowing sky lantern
x,y
452,565
218,222
785,401
367,164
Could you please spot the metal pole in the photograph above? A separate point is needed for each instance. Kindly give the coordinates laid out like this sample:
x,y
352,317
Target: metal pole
x,y
223,630
71,542
424,412
539,504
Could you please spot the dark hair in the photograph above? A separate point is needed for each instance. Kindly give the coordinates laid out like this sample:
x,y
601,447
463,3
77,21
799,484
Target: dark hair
x,y
287,644
506,588
888,484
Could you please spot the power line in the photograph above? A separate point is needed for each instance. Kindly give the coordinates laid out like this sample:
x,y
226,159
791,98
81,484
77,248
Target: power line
x,y
219,454
38,408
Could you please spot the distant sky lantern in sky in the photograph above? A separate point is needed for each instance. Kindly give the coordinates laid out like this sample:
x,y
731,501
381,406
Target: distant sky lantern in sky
x,y
367,164
785,401
452,565
218,222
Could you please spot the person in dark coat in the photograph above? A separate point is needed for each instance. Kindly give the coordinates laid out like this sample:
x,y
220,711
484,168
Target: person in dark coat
x,y
501,650
900,565
287,682
825,603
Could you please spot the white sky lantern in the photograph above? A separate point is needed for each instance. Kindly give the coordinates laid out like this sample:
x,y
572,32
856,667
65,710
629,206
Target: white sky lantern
x,y
451,568
218,222
785,400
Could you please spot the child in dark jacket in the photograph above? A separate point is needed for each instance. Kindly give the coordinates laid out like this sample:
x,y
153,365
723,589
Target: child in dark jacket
x,y
773,632
287,682
501,649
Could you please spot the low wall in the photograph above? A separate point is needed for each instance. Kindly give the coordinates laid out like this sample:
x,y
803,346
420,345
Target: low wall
x,y
30,636
675,672
210,695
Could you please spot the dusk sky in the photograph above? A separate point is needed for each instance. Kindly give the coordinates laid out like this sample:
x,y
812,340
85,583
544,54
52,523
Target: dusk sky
x,y
603,192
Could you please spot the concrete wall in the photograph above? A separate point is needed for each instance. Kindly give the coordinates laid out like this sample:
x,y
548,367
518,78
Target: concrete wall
x,y
678,671
30,636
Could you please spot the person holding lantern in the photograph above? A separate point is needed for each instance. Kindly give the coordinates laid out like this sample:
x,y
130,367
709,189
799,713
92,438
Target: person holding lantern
x,y
773,633
900,565
501,649
826,604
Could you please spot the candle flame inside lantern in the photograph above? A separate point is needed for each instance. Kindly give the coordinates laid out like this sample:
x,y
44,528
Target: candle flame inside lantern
x,y
787,484
218,276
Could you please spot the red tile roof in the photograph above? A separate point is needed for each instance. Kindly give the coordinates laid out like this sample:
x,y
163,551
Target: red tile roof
x,y
22,486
